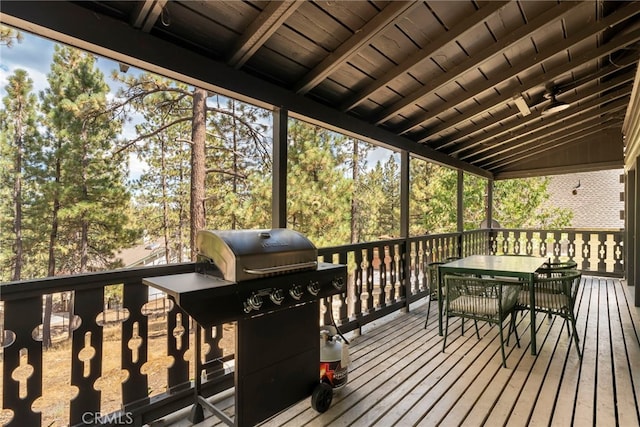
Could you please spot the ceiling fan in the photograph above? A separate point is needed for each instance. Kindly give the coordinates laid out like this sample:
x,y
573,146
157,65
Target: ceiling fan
x,y
554,106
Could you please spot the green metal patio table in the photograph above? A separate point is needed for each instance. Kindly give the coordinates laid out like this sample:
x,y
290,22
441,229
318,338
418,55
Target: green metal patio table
x,y
517,266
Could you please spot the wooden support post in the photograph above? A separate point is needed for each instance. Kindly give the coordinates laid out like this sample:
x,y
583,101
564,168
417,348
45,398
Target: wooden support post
x,y
279,184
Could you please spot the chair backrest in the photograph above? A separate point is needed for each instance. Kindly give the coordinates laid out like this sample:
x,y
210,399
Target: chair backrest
x,y
432,276
554,268
487,298
562,282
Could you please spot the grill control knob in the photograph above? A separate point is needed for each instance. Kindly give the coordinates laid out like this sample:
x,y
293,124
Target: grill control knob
x,y
277,296
254,302
296,292
338,283
313,288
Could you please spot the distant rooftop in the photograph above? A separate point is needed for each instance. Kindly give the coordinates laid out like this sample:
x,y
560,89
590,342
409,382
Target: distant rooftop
x,y
594,197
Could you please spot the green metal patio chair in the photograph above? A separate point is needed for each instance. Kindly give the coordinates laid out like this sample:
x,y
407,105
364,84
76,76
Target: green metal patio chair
x,y
485,299
432,287
555,295
550,269
433,281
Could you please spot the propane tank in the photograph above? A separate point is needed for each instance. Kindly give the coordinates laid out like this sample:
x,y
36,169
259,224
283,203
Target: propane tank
x,y
334,358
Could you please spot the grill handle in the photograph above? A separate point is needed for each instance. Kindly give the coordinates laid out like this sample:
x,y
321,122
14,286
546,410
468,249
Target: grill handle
x,y
281,268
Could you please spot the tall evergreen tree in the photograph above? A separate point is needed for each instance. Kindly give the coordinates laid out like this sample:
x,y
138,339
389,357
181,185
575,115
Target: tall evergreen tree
x,y
236,151
9,35
18,141
318,193
432,198
86,185
358,165
474,202
225,142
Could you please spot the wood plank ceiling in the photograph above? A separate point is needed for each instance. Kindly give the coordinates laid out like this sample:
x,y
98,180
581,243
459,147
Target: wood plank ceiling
x,y
469,80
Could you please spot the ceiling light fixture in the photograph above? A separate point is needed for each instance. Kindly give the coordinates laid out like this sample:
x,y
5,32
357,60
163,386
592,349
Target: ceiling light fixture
x,y
554,106
522,105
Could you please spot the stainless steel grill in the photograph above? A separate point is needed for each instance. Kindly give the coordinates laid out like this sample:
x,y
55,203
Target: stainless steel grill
x,y
270,282
249,254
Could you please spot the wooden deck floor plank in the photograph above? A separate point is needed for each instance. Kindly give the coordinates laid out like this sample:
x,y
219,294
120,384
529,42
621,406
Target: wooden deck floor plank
x,y
363,350
507,401
550,331
479,398
605,392
545,404
564,407
377,360
382,379
493,388
443,372
391,392
424,374
583,413
400,376
455,405
627,376
379,381
434,361
431,399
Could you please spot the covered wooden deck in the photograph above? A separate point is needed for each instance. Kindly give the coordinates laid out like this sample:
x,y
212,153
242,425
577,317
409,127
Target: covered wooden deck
x,y
399,375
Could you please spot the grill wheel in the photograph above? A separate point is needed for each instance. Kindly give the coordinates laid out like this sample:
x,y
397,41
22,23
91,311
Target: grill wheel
x,y
321,397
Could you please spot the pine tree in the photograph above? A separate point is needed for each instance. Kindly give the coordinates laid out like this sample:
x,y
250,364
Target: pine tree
x,y
86,183
358,165
19,137
228,152
319,191
9,35
432,198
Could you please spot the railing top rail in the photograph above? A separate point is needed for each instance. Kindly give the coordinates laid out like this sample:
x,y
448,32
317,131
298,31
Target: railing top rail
x,y
560,230
435,236
47,285
357,246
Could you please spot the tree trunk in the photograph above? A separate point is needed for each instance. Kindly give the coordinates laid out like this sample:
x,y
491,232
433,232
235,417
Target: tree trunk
x,y
72,297
165,206
355,228
46,321
53,238
84,225
235,162
17,203
198,166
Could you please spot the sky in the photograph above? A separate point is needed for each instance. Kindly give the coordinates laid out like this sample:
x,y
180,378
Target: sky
x,y
34,55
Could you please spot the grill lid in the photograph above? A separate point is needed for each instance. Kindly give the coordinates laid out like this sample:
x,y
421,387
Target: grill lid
x,y
251,254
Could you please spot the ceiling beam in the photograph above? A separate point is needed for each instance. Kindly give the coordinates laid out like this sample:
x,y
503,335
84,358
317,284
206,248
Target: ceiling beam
x,y
261,29
466,25
615,122
538,145
592,55
578,119
499,117
80,27
560,170
473,62
147,13
587,33
524,124
346,50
